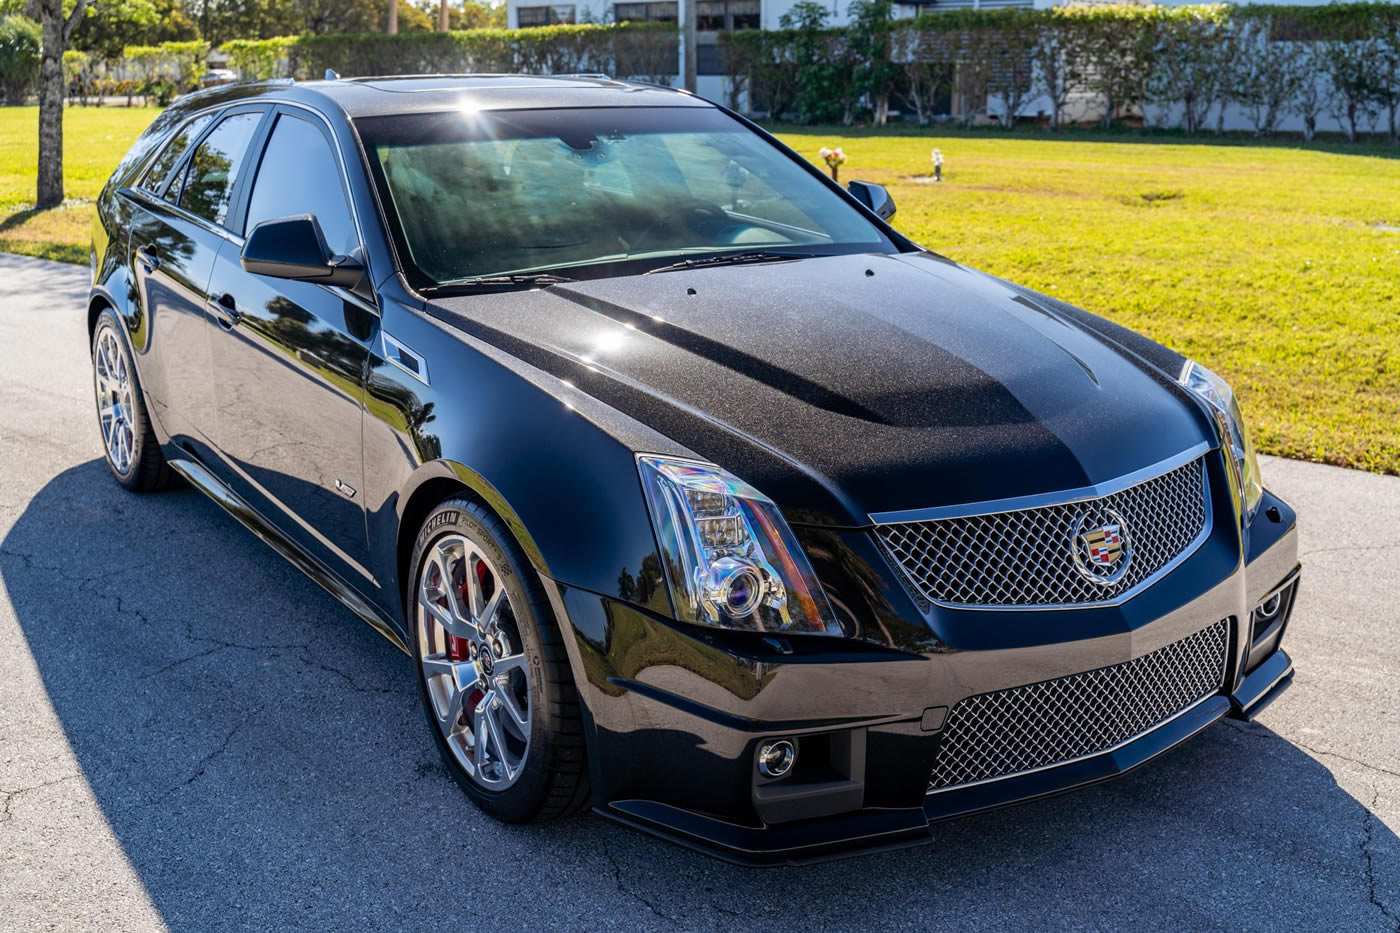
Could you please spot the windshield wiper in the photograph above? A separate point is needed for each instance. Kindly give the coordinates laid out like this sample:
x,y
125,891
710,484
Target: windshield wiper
x,y
728,259
509,280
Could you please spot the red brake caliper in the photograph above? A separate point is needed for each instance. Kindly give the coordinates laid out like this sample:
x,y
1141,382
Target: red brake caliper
x,y
459,649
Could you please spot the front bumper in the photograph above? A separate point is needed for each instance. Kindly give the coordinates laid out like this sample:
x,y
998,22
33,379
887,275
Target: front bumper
x,y
675,714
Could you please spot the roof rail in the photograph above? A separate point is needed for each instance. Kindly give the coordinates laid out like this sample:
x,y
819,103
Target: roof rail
x,y
584,74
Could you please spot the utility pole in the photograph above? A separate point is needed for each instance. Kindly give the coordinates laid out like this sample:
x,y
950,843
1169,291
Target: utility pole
x,y
442,16
393,17
686,10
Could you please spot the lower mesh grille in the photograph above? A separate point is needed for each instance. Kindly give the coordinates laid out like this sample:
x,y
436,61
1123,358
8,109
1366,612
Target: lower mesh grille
x,y
1055,721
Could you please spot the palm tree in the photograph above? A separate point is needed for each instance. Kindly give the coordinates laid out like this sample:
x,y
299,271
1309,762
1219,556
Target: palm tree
x,y
393,17
442,15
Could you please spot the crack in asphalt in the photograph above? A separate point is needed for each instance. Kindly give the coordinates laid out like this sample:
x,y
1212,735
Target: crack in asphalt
x,y
1368,821
208,759
1257,732
624,889
8,797
1368,829
300,652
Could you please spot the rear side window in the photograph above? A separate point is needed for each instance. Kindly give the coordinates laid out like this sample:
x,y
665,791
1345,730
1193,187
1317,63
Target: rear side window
x,y
299,174
164,165
213,169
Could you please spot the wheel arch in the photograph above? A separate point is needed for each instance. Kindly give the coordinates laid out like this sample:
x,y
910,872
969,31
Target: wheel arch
x,y
434,483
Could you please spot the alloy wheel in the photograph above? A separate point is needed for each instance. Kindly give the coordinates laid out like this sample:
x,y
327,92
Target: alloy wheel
x,y
112,383
473,661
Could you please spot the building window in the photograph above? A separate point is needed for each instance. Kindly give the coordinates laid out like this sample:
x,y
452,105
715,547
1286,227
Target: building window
x,y
724,15
645,12
545,15
709,60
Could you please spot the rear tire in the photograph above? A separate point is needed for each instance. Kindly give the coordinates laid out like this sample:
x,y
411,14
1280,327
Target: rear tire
x,y
493,674
129,442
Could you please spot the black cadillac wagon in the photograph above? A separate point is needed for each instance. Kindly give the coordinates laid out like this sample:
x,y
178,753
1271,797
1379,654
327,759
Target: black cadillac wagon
x,y
699,495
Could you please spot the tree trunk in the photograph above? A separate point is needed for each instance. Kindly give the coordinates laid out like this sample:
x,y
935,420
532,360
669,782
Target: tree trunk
x,y
442,16
50,187
393,17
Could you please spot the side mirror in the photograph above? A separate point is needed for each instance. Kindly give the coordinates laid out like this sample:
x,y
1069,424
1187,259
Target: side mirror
x,y
295,248
874,197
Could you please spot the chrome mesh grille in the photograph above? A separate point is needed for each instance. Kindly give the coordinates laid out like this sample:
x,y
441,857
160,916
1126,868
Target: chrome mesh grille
x,y
1055,721
1026,558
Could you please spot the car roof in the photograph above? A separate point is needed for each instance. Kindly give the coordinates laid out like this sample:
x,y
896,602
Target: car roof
x,y
381,96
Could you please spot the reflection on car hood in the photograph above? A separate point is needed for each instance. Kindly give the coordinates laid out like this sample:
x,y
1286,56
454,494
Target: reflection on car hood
x,y
847,385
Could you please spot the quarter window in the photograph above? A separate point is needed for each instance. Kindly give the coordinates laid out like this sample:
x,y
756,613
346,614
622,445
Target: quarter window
x,y
164,165
213,169
299,174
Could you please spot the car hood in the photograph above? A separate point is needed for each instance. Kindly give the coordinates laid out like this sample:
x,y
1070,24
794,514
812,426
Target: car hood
x,y
849,385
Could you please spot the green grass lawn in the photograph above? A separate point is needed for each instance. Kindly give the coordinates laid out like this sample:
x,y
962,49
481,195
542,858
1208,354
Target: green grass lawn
x,y
94,140
1275,265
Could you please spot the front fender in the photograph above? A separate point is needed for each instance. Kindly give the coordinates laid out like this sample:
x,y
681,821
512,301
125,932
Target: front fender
x,y
558,467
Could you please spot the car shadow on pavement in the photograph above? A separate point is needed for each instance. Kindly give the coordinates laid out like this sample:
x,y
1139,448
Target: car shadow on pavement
x,y
260,756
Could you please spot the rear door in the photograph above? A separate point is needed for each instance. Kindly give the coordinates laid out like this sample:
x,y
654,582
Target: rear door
x,y
289,359
172,247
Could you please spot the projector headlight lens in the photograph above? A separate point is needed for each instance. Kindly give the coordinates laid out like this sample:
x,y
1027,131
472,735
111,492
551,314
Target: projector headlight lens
x,y
730,558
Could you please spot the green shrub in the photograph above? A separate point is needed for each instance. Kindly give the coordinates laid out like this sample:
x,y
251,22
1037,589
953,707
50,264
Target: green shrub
x,y
643,50
20,41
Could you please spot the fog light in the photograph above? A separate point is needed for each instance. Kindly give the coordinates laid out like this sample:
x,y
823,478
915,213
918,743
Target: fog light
x,y
1269,608
776,759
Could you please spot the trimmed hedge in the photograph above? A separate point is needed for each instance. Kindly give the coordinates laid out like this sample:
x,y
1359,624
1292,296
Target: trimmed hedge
x,y
1172,64
647,51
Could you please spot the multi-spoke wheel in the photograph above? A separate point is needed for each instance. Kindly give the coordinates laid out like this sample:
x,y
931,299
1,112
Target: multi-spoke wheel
x,y
114,401
494,675
473,661
133,453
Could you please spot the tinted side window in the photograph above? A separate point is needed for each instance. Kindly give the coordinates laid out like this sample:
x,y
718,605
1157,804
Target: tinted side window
x,y
165,162
213,169
299,174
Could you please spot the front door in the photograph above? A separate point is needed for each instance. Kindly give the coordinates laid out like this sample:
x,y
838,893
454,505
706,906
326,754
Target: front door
x,y
289,361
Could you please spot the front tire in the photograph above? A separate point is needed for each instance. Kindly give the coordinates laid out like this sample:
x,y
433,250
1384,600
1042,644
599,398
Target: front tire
x,y
133,453
492,671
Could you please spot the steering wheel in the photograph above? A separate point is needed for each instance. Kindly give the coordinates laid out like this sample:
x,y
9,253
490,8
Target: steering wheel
x,y
697,215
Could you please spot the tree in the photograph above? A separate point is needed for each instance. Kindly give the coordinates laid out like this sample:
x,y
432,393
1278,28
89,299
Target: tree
x,y
1118,52
926,75
869,42
1386,93
1311,98
1189,62
1056,57
111,27
1352,67
393,17
1013,61
1268,75
57,29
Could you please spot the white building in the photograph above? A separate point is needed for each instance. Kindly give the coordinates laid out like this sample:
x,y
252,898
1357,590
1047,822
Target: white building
x,y
714,17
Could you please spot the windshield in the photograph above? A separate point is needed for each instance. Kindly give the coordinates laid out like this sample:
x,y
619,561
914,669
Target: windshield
x,y
577,191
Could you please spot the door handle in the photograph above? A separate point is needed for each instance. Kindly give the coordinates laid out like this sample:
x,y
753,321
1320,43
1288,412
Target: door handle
x,y
148,258
225,311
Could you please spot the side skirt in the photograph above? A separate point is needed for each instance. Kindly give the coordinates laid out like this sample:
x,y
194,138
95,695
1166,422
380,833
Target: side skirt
x,y
207,483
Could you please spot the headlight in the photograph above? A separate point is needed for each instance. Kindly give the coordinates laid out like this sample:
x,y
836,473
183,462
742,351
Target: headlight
x,y
731,560
1218,395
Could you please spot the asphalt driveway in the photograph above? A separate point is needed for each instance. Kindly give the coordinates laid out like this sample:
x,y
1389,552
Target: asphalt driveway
x,y
195,736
